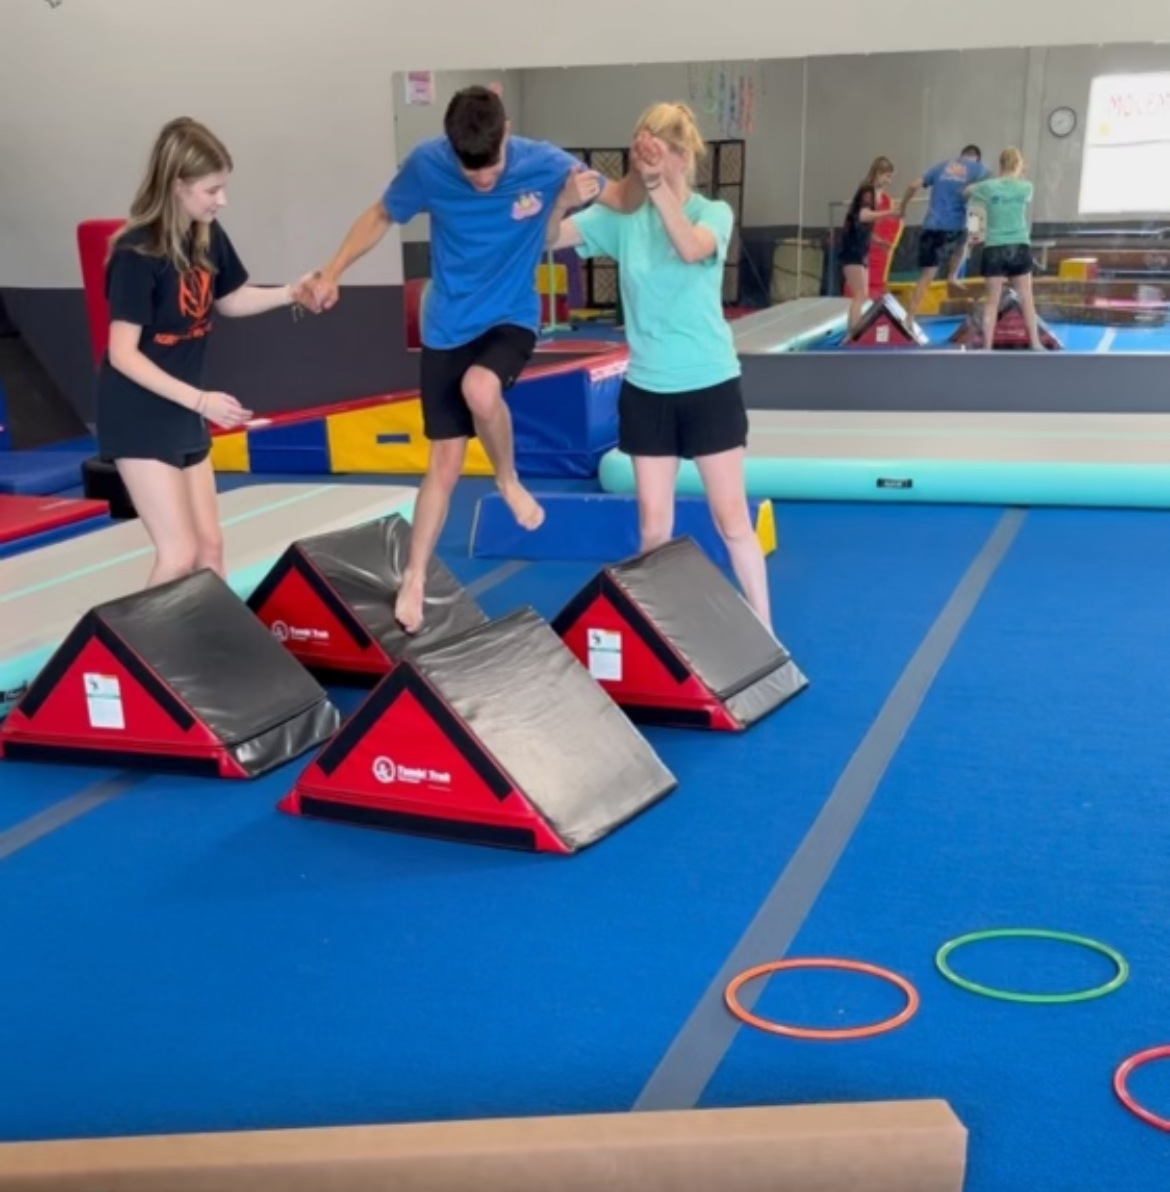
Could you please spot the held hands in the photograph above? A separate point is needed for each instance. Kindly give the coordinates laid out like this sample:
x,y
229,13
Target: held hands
x,y
223,410
582,187
316,292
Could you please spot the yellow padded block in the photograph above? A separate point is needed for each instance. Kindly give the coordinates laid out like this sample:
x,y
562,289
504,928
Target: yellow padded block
x,y
936,295
229,453
1078,268
560,280
766,527
389,438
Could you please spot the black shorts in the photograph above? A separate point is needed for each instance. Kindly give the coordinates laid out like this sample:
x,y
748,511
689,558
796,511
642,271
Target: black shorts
x,y
854,250
1008,260
937,246
504,350
686,425
176,459
153,428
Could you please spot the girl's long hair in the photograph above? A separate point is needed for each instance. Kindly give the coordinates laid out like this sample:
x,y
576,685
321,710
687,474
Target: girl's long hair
x,y
183,151
881,165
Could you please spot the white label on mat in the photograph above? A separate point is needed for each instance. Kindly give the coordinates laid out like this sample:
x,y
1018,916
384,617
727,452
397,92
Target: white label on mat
x,y
103,696
605,655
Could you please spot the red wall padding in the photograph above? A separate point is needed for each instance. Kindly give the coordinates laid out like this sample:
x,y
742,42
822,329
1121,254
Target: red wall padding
x,y
93,237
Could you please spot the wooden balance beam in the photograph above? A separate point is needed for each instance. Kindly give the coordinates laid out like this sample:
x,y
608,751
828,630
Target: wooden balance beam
x,y
896,1146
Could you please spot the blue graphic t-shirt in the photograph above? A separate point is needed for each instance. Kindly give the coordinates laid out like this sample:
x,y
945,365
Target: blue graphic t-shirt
x,y
947,181
485,246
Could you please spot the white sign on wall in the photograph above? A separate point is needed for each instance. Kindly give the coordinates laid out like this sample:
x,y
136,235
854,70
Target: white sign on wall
x,y
420,88
1127,146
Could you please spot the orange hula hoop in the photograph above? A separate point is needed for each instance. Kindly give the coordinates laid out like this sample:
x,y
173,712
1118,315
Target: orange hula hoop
x,y
731,997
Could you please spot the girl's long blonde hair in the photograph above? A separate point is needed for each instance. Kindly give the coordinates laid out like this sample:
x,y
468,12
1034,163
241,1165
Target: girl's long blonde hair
x,y
183,151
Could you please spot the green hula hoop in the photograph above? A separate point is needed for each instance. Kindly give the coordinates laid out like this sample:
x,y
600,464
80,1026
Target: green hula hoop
x,y
941,961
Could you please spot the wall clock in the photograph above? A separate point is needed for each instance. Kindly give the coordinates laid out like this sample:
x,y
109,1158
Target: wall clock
x,y
1062,122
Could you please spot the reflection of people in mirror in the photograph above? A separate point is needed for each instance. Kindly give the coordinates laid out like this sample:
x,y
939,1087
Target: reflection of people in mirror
x,y
865,211
1007,252
942,240
681,397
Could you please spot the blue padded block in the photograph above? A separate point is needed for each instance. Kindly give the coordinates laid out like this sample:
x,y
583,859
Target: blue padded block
x,y
564,421
40,473
586,527
294,447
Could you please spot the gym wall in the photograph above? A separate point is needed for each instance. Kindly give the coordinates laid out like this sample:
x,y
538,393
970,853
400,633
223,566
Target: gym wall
x,y
301,91
819,122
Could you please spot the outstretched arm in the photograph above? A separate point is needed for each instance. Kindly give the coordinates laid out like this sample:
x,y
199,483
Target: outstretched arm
x,y
258,300
625,196
581,187
365,234
911,191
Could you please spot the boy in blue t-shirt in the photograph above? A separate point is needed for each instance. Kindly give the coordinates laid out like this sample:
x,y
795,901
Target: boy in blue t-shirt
x,y
489,195
943,238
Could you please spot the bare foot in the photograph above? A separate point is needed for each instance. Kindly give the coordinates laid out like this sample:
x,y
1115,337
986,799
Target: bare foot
x,y
525,509
408,609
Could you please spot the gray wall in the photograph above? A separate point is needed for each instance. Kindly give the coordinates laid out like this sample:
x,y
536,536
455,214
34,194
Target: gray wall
x,y
302,93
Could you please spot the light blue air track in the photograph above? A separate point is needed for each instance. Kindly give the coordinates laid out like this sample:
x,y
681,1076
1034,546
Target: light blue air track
x,y
935,481
45,592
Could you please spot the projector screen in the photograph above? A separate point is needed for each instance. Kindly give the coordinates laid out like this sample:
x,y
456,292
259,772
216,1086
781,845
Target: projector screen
x,y
1126,166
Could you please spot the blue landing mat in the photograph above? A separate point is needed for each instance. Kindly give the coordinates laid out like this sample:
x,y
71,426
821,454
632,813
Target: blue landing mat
x,y
41,472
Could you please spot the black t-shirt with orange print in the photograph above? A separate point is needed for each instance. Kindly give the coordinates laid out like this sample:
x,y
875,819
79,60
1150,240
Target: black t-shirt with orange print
x,y
858,236
176,313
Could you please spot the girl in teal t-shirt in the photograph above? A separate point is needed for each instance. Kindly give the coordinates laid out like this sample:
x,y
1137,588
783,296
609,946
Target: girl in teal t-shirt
x,y
1007,247
681,397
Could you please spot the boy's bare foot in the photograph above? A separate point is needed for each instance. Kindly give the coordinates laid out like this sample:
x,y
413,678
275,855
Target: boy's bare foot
x,y
408,609
524,506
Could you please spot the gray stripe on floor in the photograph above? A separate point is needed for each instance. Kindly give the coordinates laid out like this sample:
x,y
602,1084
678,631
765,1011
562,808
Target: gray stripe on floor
x,y
36,827
700,1046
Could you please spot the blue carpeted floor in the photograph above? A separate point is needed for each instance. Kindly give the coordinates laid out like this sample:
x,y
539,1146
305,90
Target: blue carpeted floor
x,y
185,958
1031,792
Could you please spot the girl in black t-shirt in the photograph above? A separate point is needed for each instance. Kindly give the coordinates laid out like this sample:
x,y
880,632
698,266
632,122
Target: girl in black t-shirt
x,y
170,268
857,234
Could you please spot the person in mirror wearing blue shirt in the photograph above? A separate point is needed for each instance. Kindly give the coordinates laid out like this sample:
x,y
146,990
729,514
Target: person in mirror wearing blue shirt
x,y
942,240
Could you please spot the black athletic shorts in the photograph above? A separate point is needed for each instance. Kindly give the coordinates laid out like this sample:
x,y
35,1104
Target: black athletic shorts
x,y
504,350
855,247
685,425
937,246
1008,260
176,459
159,430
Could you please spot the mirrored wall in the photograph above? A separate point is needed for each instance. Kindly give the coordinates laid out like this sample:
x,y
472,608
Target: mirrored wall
x,y
791,142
